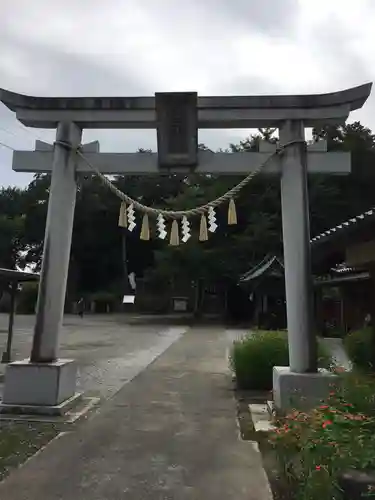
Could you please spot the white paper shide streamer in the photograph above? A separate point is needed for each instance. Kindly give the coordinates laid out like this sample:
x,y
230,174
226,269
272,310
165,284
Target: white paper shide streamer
x,y
162,232
131,218
212,226
185,226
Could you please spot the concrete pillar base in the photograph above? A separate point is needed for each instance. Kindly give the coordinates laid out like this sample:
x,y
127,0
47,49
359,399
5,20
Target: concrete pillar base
x,y
43,385
24,412
301,391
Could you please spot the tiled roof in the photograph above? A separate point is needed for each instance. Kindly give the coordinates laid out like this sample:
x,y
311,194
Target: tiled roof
x,y
262,267
343,227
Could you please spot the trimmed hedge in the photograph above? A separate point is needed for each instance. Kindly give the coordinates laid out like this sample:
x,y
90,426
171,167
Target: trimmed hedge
x,y
253,358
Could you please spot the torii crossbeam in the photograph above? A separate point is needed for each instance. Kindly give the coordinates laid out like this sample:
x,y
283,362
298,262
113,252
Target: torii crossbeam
x,y
318,161
176,117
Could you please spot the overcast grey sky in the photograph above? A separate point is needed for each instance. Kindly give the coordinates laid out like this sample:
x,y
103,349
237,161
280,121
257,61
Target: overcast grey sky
x,y
138,47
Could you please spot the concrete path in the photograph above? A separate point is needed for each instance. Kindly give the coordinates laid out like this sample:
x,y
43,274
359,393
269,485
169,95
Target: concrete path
x,y
169,434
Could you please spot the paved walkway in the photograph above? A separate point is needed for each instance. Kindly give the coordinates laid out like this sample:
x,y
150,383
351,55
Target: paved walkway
x,y
169,434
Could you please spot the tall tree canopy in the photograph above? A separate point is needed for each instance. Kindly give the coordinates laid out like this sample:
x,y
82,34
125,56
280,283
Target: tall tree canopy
x,y
96,257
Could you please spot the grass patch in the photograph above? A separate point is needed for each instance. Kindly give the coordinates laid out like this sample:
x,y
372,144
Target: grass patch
x,y
20,440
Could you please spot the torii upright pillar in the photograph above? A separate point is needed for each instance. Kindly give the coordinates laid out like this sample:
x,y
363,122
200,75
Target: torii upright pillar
x,y
292,114
296,238
57,243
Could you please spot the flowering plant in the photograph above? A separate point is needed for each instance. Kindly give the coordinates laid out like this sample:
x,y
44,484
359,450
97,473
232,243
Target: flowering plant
x,y
313,448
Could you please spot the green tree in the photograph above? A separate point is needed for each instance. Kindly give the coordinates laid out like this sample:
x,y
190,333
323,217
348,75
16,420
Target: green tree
x,y
231,250
96,257
11,227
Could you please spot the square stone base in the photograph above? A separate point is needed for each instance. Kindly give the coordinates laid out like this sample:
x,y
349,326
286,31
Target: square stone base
x,y
27,412
39,384
301,391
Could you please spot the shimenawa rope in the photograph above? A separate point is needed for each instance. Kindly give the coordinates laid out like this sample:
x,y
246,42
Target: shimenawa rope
x,y
177,214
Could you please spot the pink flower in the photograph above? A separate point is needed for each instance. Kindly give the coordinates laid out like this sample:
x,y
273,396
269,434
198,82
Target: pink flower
x,y
326,423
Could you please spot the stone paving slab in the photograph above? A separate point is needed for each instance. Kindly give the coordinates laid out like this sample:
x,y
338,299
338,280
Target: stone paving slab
x,y
171,433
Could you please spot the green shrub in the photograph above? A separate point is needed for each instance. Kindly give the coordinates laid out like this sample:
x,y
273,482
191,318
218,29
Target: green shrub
x,y
358,389
360,349
314,448
103,300
253,358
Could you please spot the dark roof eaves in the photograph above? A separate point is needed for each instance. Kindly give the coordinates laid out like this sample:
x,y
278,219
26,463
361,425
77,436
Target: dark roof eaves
x,y
342,228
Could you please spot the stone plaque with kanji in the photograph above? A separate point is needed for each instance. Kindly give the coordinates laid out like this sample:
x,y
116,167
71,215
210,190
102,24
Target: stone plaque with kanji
x,y
177,125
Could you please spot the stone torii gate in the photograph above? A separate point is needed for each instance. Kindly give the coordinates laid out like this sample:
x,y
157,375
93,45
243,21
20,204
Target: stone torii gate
x,y
46,383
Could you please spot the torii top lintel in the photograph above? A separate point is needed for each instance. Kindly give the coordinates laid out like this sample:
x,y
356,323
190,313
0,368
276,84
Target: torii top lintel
x,y
213,112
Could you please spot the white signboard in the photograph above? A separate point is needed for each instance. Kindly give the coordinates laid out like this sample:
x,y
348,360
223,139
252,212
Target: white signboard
x,y
128,299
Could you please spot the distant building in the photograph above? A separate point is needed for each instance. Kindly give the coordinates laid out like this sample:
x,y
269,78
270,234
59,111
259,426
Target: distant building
x,y
343,261
265,288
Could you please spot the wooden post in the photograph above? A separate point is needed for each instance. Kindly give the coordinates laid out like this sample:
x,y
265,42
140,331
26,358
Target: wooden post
x,y
7,355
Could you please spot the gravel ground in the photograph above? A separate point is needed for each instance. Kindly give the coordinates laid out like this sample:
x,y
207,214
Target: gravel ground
x,y
109,352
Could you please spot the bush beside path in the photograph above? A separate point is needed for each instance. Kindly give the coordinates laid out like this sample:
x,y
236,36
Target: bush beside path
x,y
308,452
